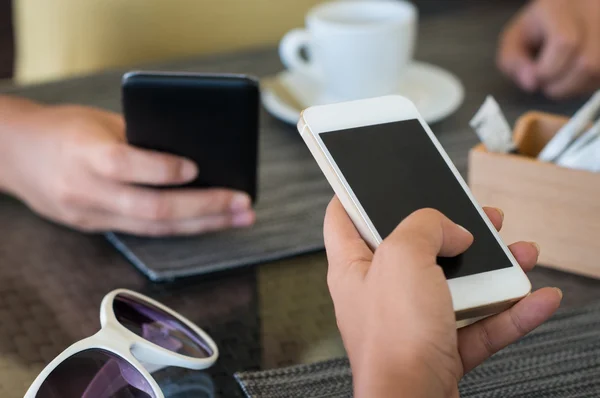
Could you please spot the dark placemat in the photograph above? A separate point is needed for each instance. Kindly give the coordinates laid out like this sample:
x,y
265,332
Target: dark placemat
x,y
292,198
559,359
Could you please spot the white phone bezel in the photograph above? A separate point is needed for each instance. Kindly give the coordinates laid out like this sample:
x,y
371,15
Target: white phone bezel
x,y
469,292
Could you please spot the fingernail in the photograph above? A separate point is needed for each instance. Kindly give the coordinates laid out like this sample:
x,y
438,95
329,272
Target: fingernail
x,y
560,293
244,219
537,247
501,213
240,202
188,170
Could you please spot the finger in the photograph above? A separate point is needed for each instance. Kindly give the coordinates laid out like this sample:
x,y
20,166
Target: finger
x,y
582,78
526,253
495,215
576,82
516,52
426,234
481,340
561,43
345,247
125,163
168,204
109,222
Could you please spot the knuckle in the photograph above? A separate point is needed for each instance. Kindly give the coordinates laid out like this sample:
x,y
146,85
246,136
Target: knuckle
x,y
517,323
156,207
65,193
166,171
215,201
114,161
222,198
406,246
420,217
426,212
486,341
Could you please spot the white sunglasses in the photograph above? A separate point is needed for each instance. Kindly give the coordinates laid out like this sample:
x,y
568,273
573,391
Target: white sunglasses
x,y
138,336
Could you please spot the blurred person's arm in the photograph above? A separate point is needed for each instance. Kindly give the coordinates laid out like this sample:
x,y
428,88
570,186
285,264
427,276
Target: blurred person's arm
x,y
553,46
72,165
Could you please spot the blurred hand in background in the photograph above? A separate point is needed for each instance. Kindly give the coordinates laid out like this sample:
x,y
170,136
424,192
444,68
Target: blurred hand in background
x,y
553,46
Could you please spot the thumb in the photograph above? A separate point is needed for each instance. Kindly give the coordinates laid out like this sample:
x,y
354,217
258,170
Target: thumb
x,y
427,234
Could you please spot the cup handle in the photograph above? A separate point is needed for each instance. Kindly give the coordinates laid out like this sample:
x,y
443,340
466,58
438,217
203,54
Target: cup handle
x,y
289,51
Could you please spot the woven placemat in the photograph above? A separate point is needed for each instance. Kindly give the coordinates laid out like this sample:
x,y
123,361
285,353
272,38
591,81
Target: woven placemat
x,y
292,197
559,359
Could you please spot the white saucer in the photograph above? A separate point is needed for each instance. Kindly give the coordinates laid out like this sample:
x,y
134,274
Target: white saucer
x,y
436,93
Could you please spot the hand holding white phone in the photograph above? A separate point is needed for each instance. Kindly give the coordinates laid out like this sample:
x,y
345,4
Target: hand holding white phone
x,y
384,163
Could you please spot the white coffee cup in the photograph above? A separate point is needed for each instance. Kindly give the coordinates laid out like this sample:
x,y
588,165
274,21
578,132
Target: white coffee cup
x,y
356,48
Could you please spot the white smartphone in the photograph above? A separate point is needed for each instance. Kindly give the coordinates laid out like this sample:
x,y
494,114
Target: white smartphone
x,y
383,162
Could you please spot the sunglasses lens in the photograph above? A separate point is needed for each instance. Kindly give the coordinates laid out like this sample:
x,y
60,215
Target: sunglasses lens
x,y
159,327
95,373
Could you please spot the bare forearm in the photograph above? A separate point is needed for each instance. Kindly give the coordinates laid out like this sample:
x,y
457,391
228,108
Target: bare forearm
x,y
14,121
388,383
395,373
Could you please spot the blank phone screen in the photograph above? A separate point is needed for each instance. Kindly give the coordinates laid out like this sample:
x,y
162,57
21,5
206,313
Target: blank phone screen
x,y
394,169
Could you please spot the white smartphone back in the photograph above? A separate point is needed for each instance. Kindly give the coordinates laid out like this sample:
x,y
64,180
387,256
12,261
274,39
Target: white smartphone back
x,y
384,162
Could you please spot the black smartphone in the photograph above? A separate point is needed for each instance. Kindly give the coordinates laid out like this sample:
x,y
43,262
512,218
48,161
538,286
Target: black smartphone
x,y
211,119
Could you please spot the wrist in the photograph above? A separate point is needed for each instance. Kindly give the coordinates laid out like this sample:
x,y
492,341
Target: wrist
x,y
14,116
384,372
383,379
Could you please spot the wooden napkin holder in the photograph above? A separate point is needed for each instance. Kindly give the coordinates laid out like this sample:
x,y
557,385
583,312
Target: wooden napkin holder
x,y
558,208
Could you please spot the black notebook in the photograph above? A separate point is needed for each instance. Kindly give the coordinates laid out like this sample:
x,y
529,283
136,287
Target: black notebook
x,y
292,197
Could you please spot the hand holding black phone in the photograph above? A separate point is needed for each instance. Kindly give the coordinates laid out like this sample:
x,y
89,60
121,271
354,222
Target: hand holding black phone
x,y
209,119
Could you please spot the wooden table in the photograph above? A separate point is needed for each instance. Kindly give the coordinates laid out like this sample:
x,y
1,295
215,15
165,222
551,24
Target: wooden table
x,y
52,279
